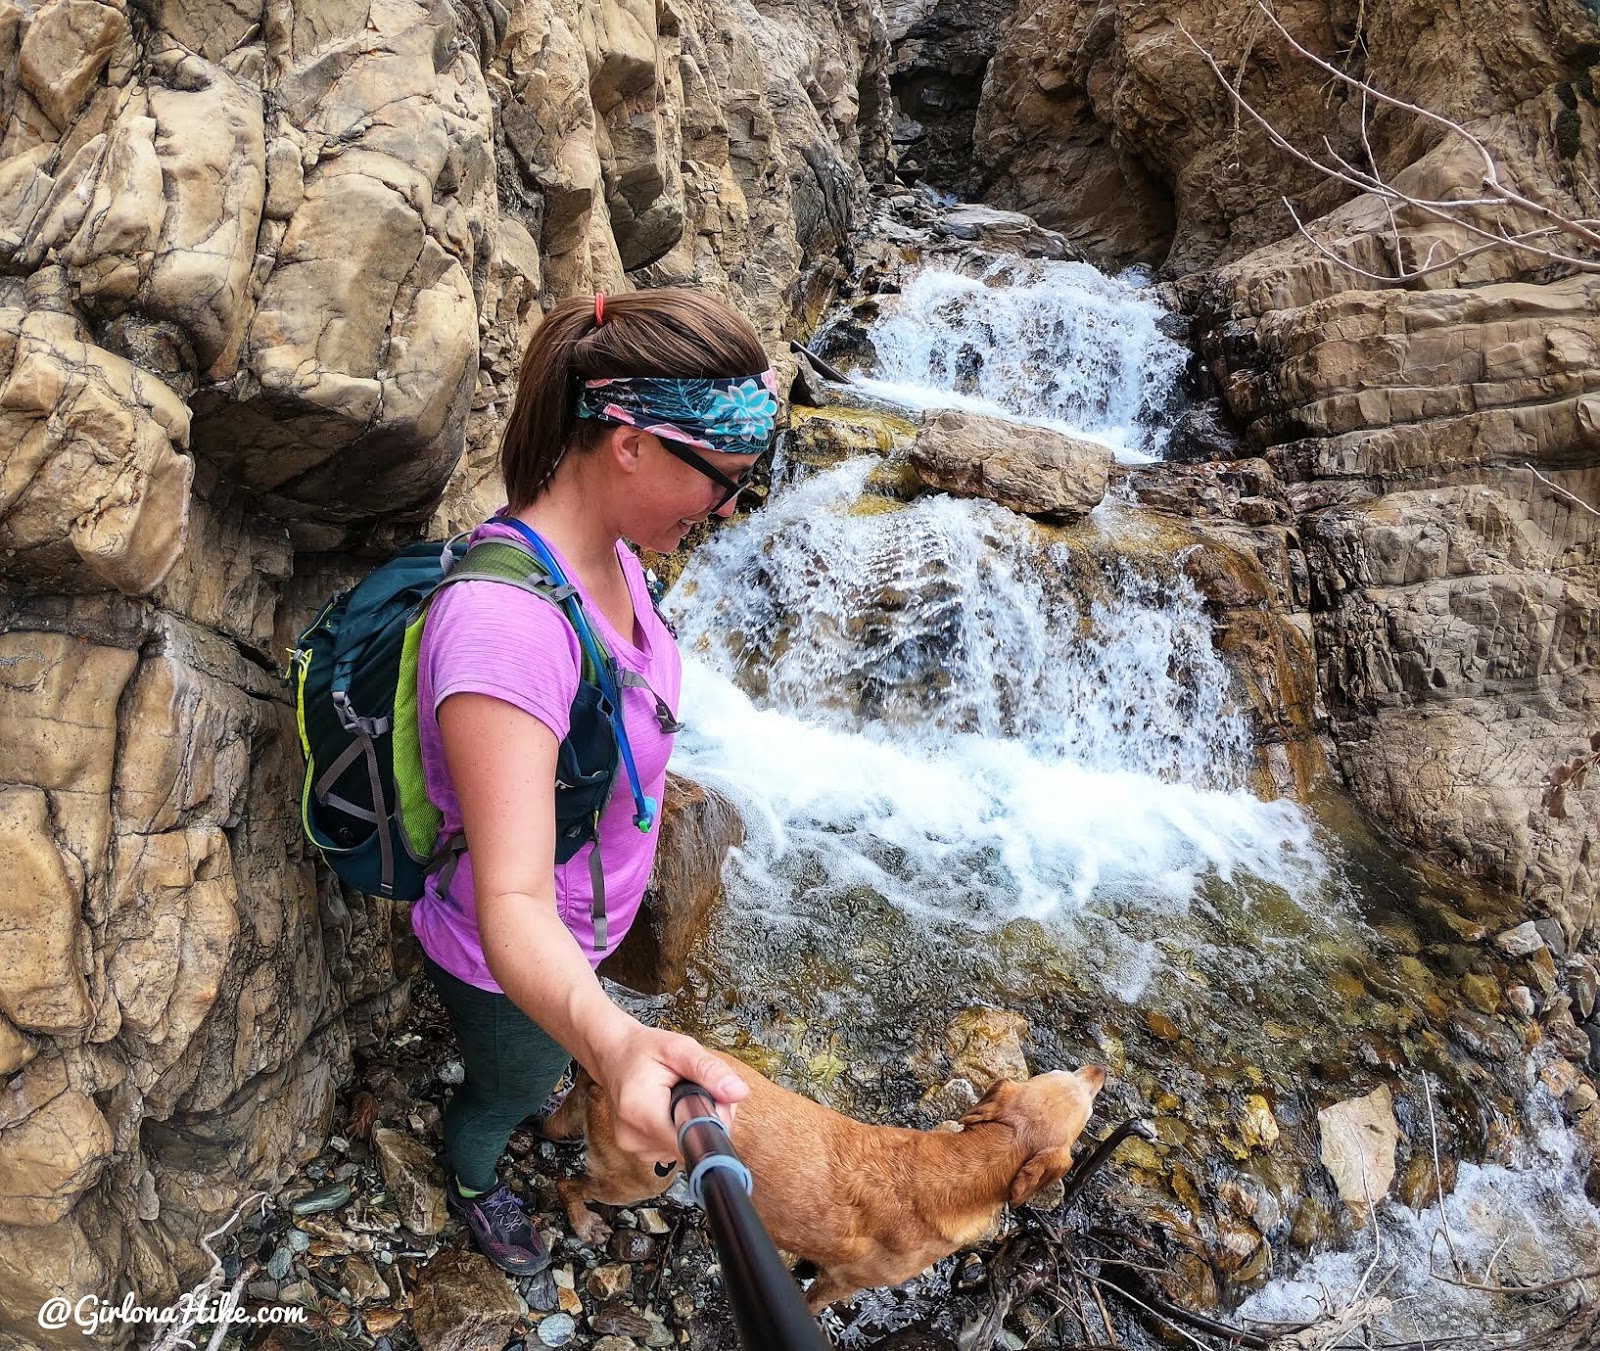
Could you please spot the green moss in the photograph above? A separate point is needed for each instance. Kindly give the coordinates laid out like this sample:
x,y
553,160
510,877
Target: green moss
x,y
1569,133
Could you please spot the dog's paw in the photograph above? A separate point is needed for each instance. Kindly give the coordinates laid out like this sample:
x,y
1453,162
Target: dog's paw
x,y
591,1230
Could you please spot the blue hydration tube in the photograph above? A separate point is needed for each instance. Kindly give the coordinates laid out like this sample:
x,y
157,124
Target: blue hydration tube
x,y
644,808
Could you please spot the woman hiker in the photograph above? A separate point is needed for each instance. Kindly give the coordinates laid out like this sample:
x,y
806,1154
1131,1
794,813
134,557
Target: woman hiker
x,y
637,416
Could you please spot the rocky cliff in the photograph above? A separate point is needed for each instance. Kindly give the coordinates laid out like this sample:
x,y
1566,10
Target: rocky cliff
x,y
264,274
1102,119
1436,439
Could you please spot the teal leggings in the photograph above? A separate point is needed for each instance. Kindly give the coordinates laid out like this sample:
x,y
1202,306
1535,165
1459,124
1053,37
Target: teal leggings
x,y
512,1065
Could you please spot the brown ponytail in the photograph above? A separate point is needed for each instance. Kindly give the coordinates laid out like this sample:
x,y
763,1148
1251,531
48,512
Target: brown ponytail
x,y
668,332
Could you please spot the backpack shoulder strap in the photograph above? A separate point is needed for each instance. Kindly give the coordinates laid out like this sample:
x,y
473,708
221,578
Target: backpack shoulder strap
x,y
502,561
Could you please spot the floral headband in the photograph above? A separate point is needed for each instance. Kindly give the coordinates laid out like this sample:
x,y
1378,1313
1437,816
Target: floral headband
x,y
733,415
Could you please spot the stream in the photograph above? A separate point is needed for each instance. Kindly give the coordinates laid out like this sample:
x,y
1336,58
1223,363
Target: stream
x,y
982,766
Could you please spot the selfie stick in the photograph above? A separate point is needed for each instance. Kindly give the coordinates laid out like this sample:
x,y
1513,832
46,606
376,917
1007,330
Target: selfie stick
x,y
768,1309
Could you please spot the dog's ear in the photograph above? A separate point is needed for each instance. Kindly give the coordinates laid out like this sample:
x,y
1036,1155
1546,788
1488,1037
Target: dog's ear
x,y
991,1106
1045,1167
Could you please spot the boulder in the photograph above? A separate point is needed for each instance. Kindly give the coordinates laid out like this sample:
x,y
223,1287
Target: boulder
x,y
462,1303
1029,469
698,827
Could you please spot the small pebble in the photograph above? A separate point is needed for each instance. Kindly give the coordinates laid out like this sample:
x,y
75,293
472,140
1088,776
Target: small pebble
x,y
609,1281
540,1291
279,1263
652,1221
316,1171
453,1072
298,1240
629,1245
266,1291
557,1330
324,1198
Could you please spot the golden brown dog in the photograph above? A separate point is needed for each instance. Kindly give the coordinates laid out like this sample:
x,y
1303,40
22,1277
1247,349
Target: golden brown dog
x,y
868,1205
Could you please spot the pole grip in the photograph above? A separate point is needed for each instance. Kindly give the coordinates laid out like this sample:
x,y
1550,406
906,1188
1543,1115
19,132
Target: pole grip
x,y
768,1309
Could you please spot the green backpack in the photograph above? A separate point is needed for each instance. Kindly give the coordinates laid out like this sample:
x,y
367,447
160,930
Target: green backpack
x,y
364,800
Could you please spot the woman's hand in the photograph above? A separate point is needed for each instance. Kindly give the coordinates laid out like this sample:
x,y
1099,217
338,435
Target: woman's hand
x,y
639,1070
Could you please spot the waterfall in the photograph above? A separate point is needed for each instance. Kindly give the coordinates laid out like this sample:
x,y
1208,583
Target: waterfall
x,y
915,703
1058,344
984,762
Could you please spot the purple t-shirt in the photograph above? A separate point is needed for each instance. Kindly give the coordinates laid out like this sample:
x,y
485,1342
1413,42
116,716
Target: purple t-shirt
x,y
490,638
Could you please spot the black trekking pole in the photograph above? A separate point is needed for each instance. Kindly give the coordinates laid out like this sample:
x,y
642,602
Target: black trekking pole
x,y
768,1309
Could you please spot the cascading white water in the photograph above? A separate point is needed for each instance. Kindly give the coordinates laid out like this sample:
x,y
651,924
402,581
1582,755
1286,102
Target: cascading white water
x,y
943,745
1520,1226
937,722
1054,343
948,617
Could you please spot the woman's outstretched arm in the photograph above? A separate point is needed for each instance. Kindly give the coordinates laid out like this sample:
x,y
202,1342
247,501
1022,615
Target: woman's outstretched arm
x,y
503,765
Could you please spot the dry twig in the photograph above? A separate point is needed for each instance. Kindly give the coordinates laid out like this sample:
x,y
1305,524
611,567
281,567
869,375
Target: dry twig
x,y
176,1333
1581,234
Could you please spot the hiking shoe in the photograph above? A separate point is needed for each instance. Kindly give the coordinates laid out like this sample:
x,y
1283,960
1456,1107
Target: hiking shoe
x,y
500,1228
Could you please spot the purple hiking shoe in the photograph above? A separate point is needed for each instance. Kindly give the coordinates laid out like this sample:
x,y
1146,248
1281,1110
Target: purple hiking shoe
x,y
499,1226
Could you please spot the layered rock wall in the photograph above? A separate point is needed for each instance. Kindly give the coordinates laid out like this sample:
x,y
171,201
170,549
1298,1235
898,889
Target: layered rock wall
x,y
1423,400
265,271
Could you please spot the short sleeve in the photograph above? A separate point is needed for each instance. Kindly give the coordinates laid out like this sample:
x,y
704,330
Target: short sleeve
x,y
496,639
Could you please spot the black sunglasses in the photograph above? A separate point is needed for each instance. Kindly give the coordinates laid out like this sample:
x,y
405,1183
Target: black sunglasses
x,y
733,486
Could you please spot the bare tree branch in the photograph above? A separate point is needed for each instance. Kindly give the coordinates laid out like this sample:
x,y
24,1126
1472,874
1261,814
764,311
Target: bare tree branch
x,y
1459,213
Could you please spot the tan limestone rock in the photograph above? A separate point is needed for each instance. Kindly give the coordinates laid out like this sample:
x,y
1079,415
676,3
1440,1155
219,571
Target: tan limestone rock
x,y
111,251
16,1050
64,48
58,710
212,150
80,1254
49,1155
412,1175
41,929
172,930
190,755
94,481
1029,469
24,189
